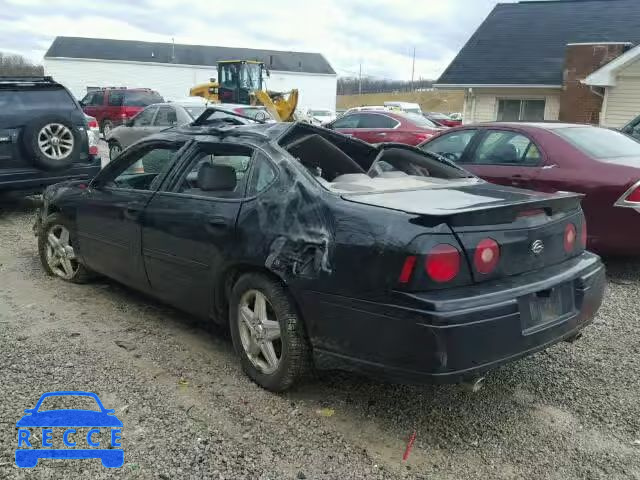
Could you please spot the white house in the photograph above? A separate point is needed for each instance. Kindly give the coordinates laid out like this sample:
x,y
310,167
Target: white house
x,y
620,82
528,61
82,64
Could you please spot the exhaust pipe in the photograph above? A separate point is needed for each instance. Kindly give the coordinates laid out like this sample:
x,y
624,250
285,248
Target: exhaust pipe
x,y
474,385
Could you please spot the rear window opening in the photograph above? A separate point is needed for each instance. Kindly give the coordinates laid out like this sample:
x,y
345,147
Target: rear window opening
x,y
342,164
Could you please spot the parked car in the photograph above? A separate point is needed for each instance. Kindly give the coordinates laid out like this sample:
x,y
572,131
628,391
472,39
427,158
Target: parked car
x,y
632,128
161,116
406,107
317,249
366,108
375,126
602,164
44,136
442,119
320,117
456,116
114,106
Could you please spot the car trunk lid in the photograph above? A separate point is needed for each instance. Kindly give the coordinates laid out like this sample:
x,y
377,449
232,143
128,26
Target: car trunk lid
x,y
529,227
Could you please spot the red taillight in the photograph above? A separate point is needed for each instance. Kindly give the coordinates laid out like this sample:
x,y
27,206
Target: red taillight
x,y
569,237
93,123
486,256
443,263
407,269
634,196
93,150
583,233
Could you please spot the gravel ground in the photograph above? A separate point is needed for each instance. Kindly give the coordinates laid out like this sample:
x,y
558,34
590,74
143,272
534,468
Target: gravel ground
x,y
188,412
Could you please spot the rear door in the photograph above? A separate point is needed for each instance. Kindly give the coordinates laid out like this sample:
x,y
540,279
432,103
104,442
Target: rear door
x,y
189,230
505,157
377,128
346,124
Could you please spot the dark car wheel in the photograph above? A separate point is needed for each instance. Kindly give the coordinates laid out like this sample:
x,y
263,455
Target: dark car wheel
x,y
114,150
107,128
267,333
56,248
52,142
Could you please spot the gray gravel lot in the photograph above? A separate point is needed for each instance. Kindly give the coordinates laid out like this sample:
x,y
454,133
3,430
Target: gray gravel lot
x,y
188,412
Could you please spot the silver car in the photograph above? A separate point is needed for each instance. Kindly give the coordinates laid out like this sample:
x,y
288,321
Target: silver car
x,y
160,116
152,119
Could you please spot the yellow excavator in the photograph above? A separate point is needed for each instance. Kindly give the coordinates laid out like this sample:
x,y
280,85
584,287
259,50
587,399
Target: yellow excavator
x,y
241,81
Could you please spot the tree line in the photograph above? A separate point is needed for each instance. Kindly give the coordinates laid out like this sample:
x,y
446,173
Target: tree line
x,y
351,85
17,65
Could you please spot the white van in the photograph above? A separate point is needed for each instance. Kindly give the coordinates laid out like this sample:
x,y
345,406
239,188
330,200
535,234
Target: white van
x,y
405,107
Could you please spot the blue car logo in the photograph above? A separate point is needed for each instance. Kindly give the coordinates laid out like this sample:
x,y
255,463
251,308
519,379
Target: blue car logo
x,y
103,437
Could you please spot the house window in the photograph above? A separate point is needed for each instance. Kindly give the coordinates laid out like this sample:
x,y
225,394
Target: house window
x,y
520,110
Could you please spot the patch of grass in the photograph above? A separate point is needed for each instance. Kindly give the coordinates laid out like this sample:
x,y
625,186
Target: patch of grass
x,y
433,101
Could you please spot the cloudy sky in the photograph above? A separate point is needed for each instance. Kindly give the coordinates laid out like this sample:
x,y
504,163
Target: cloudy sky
x,y
380,33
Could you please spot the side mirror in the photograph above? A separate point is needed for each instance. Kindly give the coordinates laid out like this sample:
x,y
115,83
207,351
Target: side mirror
x,y
82,104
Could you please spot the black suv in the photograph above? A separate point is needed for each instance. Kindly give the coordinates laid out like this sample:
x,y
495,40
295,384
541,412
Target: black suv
x,y
43,135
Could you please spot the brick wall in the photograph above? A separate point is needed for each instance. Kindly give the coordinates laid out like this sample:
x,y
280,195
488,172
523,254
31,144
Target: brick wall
x,y
578,104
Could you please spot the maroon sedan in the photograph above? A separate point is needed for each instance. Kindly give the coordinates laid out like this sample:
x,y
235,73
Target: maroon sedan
x,y
442,119
600,163
378,126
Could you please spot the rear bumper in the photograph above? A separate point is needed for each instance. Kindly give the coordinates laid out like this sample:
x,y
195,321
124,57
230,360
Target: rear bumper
x,y
450,335
33,179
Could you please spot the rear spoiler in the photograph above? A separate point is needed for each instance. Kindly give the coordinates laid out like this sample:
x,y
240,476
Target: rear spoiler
x,y
501,214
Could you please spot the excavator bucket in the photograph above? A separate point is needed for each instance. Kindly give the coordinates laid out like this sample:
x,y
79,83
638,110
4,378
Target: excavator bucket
x,y
281,106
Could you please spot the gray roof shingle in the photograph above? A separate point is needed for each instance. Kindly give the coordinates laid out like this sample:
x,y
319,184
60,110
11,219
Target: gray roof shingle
x,y
524,43
132,50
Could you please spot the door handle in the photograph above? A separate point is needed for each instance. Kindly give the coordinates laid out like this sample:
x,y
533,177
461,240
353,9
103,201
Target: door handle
x,y
382,134
217,222
132,213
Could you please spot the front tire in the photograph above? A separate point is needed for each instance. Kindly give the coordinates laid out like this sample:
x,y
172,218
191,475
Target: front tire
x,y
56,241
267,333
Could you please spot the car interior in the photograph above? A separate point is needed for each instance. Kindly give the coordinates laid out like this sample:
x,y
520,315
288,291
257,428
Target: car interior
x,y
219,171
340,163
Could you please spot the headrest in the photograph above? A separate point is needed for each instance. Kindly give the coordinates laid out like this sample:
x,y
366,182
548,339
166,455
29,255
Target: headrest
x,y
216,178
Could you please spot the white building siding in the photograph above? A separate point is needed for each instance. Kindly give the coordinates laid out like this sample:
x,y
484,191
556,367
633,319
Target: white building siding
x,y
482,104
622,101
174,81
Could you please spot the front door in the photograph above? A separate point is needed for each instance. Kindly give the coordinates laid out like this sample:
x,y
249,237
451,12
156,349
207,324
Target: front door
x,y
346,124
138,128
190,230
108,219
505,157
376,127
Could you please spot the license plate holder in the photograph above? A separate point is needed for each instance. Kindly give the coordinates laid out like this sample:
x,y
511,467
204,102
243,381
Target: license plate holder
x,y
546,307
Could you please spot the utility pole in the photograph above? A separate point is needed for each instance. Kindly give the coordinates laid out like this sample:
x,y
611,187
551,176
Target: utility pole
x,y
173,50
360,80
413,67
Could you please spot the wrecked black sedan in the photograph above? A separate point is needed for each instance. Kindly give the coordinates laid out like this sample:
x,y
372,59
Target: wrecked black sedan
x,y
319,250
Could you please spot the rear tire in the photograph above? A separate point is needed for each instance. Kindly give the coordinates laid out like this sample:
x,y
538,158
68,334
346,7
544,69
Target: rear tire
x,y
57,254
294,354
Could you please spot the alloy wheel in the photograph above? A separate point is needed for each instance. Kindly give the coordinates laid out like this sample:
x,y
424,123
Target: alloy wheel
x,y
55,141
59,252
259,331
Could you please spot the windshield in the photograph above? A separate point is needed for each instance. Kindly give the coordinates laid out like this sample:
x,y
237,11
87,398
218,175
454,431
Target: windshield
x,y
250,76
320,113
417,111
418,120
194,112
600,143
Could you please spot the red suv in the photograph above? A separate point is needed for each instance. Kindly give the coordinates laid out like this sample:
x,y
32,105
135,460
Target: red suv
x,y
114,106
